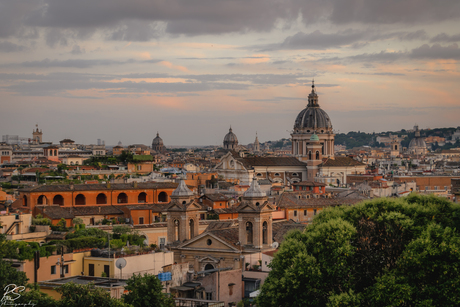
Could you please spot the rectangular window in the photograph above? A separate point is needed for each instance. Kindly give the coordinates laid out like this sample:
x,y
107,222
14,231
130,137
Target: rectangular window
x,y
314,211
305,212
209,296
426,188
53,270
66,269
295,212
91,269
141,220
436,187
162,243
107,270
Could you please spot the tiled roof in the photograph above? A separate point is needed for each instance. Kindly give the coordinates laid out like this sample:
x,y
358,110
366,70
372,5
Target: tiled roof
x,y
98,187
342,161
153,207
229,235
270,161
281,228
215,225
310,183
216,197
291,200
57,212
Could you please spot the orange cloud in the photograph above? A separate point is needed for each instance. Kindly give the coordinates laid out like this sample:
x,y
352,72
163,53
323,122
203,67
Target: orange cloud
x,y
256,59
170,65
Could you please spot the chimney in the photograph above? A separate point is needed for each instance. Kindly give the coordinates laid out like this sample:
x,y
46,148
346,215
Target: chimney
x,y
135,184
108,185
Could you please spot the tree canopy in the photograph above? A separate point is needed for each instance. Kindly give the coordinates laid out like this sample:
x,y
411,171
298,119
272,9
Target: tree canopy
x,y
146,290
385,252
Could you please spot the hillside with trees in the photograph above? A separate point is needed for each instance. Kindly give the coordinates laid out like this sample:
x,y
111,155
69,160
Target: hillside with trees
x,y
384,252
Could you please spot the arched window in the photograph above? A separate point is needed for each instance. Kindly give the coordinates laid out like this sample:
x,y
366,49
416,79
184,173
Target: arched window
x,y
249,236
58,200
80,199
309,155
208,267
257,203
101,199
24,201
322,149
142,198
42,200
294,174
122,198
176,230
265,233
259,175
163,197
317,155
277,174
191,224
55,152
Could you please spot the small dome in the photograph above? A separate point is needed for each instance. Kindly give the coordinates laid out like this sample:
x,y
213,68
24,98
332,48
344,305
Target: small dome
x,y
157,140
314,137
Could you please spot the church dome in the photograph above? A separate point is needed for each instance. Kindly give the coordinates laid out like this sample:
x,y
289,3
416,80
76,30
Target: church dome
x,y
157,141
313,116
230,140
417,141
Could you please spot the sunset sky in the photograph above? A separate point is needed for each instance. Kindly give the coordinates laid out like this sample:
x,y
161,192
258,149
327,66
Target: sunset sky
x,y
122,70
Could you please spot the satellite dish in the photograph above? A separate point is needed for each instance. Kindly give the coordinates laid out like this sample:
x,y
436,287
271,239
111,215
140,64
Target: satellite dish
x,y
274,245
120,263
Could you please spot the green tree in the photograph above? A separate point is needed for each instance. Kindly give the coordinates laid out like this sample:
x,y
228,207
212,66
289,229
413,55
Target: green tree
x,y
74,295
146,291
385,252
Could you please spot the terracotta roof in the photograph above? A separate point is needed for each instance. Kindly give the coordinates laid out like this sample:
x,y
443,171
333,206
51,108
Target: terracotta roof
x,y
215,225
57,212
216,197
342,161
98,187
153,207
270,161
229,235
310,183
281,228
291,200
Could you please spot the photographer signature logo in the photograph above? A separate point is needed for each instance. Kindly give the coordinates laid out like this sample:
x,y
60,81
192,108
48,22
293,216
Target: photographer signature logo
x,y
12,293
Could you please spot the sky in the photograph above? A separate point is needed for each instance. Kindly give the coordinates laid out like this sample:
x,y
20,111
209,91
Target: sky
x,y
122,70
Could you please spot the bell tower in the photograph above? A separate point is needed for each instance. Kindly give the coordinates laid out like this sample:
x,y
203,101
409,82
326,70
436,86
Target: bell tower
x,y
183,215
255,219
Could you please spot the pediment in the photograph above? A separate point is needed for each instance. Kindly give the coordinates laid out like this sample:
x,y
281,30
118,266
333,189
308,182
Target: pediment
x,y
176,207
200,242
193,206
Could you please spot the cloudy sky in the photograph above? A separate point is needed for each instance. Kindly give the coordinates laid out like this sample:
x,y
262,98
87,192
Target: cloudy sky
x,y
123,70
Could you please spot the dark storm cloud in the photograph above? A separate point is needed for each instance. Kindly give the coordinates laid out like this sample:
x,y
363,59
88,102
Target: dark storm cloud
x,y
144,20
11,47
436,51
444,38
